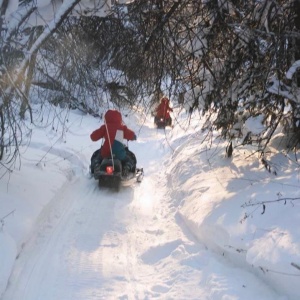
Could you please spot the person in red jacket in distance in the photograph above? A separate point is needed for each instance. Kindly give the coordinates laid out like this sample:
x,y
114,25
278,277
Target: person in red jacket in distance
x,y
163,111
114,132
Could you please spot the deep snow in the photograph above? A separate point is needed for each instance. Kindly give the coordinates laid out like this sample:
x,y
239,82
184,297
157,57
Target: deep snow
x,y
182,233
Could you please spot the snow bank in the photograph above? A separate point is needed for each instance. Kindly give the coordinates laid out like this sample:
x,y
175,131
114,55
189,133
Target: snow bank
x,y
217,200
19,213
50,161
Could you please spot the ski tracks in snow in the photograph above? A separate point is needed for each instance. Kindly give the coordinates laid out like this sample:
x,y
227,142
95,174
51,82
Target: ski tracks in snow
x,y
93,244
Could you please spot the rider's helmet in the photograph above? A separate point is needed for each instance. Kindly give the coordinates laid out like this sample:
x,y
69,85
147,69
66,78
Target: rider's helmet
x,y
164,100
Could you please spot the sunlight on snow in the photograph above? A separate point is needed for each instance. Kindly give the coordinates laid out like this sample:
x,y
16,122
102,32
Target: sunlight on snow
x,y
144,197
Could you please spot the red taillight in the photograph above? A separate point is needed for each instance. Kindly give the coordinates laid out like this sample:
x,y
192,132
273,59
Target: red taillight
x,y
109,169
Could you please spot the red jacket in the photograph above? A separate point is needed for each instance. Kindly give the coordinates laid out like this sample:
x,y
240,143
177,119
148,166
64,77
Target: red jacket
x,y
117,131
163,109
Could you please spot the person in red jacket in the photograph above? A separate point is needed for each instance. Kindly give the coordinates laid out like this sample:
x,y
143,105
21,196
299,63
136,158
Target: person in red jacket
x,y
163,110
114,132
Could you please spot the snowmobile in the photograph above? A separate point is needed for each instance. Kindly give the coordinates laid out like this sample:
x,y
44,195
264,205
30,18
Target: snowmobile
x,y
162,122
110,172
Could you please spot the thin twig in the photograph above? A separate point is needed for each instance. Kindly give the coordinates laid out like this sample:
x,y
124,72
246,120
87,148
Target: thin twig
x,y
269,201
2,219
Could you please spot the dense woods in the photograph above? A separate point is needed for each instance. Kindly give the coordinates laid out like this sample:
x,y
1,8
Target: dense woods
x,y
228,61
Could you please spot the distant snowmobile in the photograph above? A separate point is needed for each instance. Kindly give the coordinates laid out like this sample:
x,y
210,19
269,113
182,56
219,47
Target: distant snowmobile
x,y
162,117
162,122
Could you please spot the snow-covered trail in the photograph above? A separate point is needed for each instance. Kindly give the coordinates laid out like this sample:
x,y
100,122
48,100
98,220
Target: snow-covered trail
x,y
98,244
85,248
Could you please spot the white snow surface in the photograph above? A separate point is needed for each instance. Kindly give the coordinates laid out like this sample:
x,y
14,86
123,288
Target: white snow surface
x,y
292,70
181,233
